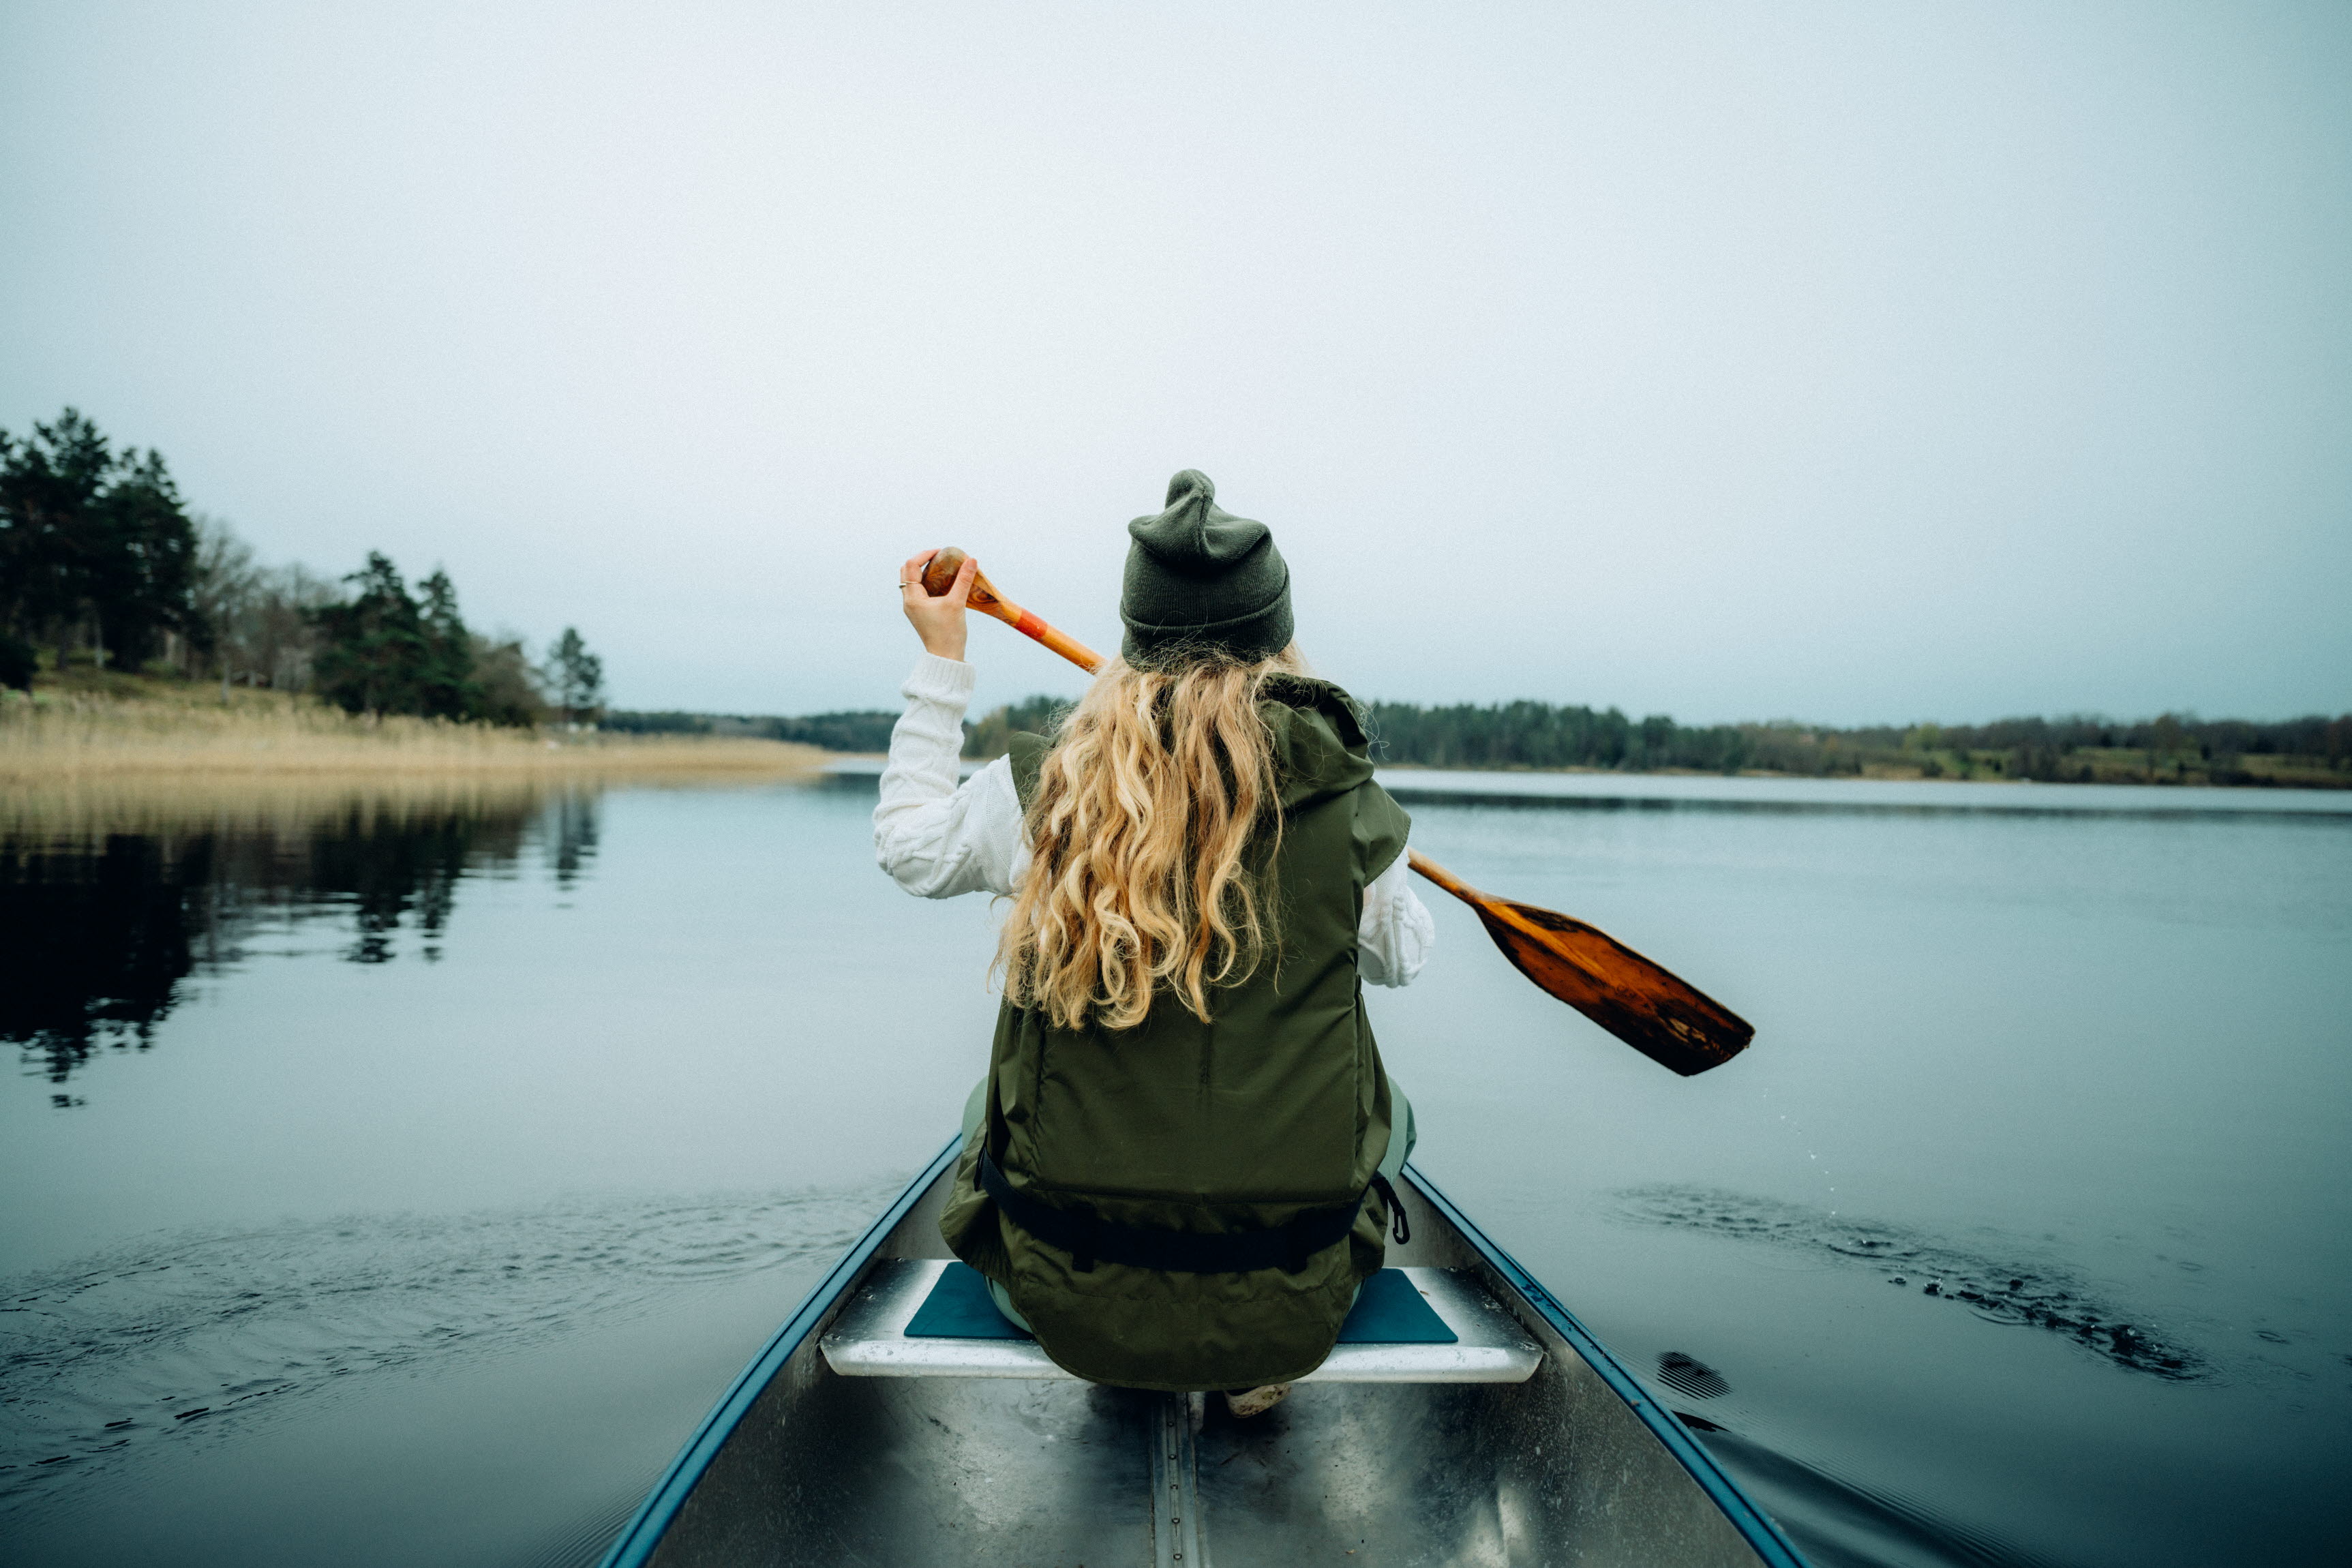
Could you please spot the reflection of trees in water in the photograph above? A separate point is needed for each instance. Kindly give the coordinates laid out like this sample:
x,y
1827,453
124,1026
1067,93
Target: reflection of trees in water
x,y
388,878
97,943
571,835
101,930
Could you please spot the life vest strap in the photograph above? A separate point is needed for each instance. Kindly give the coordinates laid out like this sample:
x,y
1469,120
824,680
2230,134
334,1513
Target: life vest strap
x,y
1401,1228
1089,1239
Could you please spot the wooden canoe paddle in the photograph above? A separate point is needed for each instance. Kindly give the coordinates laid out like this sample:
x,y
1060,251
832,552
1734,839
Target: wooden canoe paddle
x,y
1664,1018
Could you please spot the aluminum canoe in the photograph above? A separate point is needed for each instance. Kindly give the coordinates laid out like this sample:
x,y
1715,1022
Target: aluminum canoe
x,y
1524,1442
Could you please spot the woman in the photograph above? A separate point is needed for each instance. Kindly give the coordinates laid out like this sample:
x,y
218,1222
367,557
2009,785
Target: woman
x,y
1166,1172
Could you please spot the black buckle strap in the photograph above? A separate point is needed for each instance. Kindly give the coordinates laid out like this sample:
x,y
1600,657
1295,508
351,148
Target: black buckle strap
x,y
1400,1227
1088,1237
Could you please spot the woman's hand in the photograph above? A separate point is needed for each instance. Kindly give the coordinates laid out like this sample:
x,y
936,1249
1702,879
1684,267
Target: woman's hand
x,y
939,622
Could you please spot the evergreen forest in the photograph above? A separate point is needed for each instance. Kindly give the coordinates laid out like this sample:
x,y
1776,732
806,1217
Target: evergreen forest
x,y
103,568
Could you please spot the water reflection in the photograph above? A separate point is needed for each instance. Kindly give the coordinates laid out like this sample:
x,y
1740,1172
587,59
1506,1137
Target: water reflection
x,y
113,899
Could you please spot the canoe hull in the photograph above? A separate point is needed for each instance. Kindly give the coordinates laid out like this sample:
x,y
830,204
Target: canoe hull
x,y
1576,1464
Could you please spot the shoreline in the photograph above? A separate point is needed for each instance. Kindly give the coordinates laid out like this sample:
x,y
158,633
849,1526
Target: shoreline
x,y
1880,774
117,728
863,762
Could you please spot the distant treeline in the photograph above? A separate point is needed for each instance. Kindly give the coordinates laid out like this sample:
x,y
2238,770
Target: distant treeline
x,y
2077,749
101,564
862,730
2173,749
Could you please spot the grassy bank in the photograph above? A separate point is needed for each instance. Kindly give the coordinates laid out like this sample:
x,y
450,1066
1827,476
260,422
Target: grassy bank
x,y
90,727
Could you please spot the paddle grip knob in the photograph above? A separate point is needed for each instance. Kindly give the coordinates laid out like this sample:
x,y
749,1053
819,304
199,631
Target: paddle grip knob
x,y
939,574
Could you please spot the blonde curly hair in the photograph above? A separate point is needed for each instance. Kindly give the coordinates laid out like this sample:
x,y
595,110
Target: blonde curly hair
x,y
1152,830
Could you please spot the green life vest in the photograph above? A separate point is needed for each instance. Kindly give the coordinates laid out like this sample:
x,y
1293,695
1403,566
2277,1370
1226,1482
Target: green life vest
x,y
1193,1192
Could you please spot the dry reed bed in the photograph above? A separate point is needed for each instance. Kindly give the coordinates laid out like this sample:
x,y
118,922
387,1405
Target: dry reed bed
x,y
61,739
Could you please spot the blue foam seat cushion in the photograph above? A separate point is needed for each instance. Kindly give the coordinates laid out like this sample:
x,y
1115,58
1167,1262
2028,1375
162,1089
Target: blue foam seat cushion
x,y
1388,1311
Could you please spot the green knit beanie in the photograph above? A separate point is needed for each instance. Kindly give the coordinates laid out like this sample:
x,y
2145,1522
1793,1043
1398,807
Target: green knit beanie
x,y
1198,576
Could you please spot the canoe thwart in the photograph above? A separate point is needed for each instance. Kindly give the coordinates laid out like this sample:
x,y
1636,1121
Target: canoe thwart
x,y
870,1339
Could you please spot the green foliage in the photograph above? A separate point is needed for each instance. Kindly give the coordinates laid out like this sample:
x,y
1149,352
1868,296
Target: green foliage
x,y
384,650
93,543
864,731
373,655
672,722
98,549
2058,751
446,681
576,677
142,571
381,650
507,688
993,736
1540,735
18,662
1545,735
257,621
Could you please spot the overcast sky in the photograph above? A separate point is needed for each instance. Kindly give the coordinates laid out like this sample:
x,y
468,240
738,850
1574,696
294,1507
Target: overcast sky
x,y
1850,361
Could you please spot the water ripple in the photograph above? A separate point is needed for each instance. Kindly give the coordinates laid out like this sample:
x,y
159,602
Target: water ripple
x,y
199,1332
2005,1290
1841,1521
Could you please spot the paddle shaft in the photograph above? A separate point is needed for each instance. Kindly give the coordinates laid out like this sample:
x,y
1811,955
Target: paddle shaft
x,y
1658,1013
939,576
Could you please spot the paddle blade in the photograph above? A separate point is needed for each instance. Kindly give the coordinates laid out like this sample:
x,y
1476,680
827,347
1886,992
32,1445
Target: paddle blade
x,y
1672,1023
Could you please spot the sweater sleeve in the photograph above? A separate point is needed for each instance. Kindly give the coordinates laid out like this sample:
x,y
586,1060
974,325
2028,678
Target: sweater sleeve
x,y
1396,933
934,837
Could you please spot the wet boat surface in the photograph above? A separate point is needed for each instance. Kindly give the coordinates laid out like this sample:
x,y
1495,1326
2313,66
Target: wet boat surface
x,y
1522,1442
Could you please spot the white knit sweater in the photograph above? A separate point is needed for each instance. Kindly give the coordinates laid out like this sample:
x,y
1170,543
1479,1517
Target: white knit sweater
x,y
937,838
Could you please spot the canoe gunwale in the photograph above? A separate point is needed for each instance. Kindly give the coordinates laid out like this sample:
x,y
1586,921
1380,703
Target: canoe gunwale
x,y
634,1545
1761,1532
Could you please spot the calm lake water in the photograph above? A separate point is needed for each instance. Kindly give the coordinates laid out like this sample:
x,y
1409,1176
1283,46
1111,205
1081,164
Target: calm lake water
x,y
400,1181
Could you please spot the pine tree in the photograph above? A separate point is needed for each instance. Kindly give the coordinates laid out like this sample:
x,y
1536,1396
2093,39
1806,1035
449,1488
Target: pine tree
x,y
577,677
377,654
89,537
447,688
